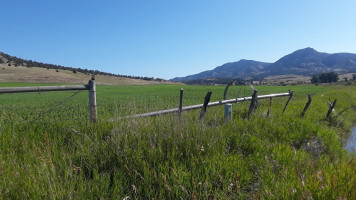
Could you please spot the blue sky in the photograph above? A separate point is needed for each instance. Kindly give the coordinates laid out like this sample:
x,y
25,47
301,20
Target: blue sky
x,y
166,38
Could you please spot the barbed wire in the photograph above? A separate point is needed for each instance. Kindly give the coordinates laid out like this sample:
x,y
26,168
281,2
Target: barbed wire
x,y
53,107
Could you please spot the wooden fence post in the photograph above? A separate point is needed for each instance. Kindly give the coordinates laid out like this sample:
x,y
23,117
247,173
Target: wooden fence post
x,y
228,112
269,107
306,105
290,97
92,101
254,102
206,101
180,103
331,107
226,88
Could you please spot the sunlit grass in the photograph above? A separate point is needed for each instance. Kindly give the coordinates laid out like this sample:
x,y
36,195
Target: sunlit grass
x,y
284,156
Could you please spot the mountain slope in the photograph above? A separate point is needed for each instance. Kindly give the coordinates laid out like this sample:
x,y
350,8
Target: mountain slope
x,y
305,62
43,75
13,69
302,61
230,70
309,62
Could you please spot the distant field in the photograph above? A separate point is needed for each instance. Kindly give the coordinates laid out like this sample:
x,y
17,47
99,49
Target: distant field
x,y
60,155
298,79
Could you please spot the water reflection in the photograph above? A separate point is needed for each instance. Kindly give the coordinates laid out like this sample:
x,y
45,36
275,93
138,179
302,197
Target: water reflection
x,y
351,141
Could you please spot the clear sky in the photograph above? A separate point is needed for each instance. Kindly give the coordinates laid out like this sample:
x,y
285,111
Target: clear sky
x,y
166,38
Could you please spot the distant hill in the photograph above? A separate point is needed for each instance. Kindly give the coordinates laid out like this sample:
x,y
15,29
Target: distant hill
x,y
306,62
232,70
309,62
13,69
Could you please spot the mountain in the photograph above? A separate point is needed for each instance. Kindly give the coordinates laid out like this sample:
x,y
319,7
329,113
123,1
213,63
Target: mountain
x,y
309,62
231,70
305,62
300,62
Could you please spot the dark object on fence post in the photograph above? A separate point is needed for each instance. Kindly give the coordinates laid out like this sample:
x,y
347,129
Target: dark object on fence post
x,y
228,112
306,105
180,103
290,97
254,102
269,107
206,101
92,101
331,107
226,88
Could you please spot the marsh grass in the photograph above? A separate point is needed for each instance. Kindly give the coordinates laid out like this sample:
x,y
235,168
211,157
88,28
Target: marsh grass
x,y
277,157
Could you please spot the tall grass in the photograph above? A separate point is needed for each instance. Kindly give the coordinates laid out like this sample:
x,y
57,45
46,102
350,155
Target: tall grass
x,y
282,156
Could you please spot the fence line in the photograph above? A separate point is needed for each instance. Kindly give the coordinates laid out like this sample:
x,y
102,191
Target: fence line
x,y
4,90
53,107
199,106
91,87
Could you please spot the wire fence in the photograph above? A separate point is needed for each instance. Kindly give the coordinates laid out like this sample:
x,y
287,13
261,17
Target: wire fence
x,y
49,106
111,103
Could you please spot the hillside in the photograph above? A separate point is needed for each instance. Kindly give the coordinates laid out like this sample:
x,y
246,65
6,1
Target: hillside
x,y
241,68
13,69
309,62
303,62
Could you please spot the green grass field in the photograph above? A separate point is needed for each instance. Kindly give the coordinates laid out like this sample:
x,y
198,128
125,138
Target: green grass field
x,y
60,155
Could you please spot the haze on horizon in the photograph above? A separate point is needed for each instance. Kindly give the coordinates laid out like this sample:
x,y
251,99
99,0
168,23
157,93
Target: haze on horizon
x,y
167,39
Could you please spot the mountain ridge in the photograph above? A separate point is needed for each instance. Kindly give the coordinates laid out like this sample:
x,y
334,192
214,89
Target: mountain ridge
x,y
241,67
306,62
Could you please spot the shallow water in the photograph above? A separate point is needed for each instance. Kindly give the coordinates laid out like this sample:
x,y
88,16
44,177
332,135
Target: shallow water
x,y
351,141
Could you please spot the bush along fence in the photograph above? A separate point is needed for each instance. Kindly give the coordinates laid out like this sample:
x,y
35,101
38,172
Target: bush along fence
x,y
91,87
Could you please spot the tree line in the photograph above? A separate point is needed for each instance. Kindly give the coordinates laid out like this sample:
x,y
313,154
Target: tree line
x,y
214,81
13,60
325,78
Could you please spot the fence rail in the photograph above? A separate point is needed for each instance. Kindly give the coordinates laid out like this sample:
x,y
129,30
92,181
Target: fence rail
x,y
4,90
216,103
91,87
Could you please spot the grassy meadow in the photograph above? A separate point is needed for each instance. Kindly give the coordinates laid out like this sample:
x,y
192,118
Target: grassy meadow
x,y
49,150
